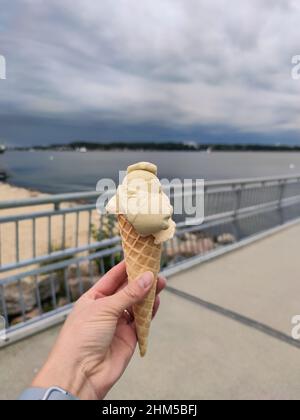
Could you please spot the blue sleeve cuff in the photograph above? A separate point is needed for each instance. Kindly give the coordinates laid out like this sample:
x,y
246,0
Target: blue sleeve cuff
x,y
51,394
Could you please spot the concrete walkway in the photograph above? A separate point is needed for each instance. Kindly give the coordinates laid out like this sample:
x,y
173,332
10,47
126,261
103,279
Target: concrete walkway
x,y
225,335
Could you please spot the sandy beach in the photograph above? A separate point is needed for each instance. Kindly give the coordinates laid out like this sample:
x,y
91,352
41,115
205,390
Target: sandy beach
x,y
8,230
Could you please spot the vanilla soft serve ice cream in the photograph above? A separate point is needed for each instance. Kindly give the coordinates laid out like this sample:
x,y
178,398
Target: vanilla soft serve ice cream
x,y
141,200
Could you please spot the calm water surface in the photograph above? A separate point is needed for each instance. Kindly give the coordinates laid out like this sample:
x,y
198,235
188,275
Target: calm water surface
x,y
58,172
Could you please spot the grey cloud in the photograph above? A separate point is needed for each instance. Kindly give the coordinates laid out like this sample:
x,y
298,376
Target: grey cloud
x,y
178,63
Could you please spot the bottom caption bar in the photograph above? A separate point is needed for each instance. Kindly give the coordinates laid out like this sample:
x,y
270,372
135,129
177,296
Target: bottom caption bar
x,y
133,409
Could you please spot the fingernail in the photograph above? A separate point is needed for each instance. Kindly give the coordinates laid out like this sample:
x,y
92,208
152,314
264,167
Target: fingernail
x,y
146,280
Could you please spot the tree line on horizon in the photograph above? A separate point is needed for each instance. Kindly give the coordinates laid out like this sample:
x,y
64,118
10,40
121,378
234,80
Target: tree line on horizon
x,y
167,146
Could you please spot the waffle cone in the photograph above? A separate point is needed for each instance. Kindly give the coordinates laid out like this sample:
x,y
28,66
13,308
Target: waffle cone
x,y
141,255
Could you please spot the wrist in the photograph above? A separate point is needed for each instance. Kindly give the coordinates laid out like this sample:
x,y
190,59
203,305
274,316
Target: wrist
x,y
69,378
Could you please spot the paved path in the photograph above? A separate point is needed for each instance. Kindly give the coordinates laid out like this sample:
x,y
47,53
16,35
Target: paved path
x,y
226,334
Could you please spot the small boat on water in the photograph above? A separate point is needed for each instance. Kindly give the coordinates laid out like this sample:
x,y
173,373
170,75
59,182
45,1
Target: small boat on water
x,y
3,175
81,150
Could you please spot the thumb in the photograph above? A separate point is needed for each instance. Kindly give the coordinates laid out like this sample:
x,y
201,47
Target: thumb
x,y
133,293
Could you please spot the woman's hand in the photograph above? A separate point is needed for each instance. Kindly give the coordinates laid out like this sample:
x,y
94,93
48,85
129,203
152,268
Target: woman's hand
x,y
99,338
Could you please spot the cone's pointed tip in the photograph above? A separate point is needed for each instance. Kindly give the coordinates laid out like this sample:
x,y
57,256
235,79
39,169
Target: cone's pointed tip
x,y
143,352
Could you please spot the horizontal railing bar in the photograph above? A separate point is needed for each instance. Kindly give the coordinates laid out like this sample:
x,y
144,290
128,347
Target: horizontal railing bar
x,y
248,186
83,208
60,254
246,210
295,177
59,265
228,218
40,214
22,325
51,199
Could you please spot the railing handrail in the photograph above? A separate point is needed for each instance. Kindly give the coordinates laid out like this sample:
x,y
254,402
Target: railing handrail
x,y
69,197
49,199
254,180
182,228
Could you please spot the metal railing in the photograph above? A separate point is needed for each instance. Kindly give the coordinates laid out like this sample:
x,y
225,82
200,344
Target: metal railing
x,y
54,248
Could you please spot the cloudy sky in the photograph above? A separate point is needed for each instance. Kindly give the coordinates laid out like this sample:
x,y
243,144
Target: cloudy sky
x,y
205,70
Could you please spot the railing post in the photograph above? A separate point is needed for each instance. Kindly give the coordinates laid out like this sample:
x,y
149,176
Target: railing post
x,y
238,201
281,192
281,198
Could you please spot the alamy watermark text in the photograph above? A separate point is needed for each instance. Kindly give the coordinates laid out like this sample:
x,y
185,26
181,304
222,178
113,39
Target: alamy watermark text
x,y
2,67
296,328
296,67
2,328
140,197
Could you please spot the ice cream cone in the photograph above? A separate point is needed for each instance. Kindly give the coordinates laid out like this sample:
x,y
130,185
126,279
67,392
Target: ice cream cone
x,y
145,220
141,255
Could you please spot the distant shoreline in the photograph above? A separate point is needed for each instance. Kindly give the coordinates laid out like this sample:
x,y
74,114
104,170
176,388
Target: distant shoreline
x,y
156,150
